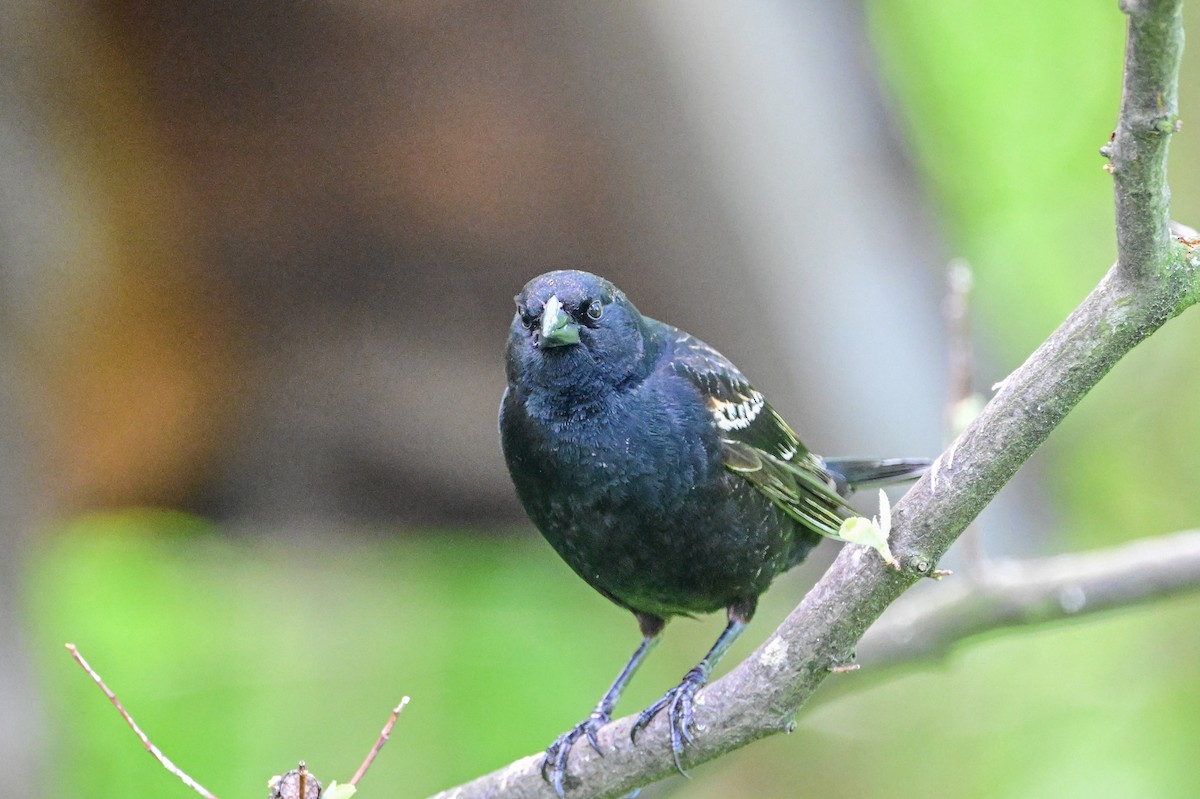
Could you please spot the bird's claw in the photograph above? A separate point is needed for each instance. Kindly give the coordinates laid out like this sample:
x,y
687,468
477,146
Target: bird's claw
x,y
555,760
679,704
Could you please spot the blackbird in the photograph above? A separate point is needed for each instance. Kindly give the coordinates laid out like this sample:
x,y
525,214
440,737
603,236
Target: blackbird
x,y
659,474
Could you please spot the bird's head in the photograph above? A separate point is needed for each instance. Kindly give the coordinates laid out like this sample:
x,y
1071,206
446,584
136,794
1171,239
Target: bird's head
x,y
575,333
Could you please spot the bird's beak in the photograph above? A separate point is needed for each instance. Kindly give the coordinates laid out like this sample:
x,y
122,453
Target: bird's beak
x,y
558,328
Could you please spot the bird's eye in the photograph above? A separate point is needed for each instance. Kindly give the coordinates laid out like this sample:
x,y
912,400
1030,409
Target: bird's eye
x,y
595,310
527,319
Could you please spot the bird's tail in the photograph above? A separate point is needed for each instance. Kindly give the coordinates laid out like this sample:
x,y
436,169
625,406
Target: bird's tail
x,y
852,474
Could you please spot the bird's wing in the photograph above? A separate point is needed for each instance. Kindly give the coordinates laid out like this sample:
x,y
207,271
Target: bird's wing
x,y
757,443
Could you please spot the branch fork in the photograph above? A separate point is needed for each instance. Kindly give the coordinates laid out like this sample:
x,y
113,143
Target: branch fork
x,y
1156,277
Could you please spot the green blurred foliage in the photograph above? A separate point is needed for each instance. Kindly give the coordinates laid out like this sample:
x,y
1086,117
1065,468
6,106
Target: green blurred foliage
x,y
1005,112
240,658
1005,107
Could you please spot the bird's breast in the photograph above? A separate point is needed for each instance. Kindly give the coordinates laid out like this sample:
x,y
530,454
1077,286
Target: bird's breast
x,y
635,454
637,501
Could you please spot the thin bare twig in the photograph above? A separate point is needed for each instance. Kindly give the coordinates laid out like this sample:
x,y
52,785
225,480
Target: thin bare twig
x,y
379,742
921,630
1023,592
302,773
962,404
151,748
957,311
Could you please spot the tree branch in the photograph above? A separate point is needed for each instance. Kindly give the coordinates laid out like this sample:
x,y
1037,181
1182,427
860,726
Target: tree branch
x,y
1022,592
1154,280
1149,114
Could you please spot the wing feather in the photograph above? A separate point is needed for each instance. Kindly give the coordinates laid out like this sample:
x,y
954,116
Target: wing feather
x,y
757,443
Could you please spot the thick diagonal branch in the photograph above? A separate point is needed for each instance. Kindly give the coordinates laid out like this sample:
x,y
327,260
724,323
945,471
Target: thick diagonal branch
x,y
1154,280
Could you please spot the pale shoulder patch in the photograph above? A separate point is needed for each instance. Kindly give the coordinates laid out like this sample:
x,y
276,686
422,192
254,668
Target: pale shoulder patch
x,y
736,414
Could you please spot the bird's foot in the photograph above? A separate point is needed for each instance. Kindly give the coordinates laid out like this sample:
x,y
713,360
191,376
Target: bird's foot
x,y
678,702
554,764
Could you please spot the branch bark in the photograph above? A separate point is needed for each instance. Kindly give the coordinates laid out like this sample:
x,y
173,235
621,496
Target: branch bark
x,y
1023,592
1155,279
1149,115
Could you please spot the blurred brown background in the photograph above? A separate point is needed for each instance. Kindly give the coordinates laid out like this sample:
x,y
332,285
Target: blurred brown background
x,y
289,239
256,259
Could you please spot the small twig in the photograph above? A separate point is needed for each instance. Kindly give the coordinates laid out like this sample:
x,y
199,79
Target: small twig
x,y
383,738
279,785
1034,591
151,748
919,631
957,310
962,404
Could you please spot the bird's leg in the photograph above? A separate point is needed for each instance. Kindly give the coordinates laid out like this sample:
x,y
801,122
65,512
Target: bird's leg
x,y
554,764
679,700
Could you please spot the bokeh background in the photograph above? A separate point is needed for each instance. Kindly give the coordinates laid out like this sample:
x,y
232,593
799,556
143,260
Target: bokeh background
x,y
256,262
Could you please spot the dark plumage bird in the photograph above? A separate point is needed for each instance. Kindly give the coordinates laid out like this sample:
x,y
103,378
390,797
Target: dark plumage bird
x,y
659,474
